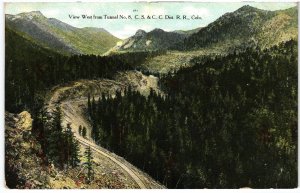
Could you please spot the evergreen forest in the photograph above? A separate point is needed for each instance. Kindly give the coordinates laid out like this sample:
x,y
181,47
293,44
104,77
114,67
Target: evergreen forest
x,y
222,119
225,122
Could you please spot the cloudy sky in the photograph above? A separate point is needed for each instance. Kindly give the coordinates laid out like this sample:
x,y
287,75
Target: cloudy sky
x,y
125,28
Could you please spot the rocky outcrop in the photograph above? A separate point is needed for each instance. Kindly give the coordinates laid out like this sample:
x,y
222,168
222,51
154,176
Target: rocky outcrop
x,y
23,155
24,121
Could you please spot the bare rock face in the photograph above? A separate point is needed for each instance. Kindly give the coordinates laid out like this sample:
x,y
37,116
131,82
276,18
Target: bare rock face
x,y
25,121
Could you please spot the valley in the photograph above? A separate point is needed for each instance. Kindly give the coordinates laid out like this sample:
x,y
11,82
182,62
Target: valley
x,y
160,109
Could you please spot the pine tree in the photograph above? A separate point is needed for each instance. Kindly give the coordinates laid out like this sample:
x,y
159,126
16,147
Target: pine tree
x,y
40,130
55,140
68,143
73,147
75,153
89,164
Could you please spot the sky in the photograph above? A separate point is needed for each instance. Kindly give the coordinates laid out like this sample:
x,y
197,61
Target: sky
x,y
209,12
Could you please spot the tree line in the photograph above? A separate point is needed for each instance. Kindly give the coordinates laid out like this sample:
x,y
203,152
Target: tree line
x,y
58,144
57,141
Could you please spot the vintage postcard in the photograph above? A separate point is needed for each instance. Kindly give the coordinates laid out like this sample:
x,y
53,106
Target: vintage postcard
x,y
151,95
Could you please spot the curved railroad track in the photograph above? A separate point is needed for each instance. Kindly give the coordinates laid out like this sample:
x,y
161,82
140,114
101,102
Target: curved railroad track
x,y
131,173
72,113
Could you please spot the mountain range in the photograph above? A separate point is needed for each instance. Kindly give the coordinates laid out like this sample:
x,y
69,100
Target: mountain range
x,y
247,25
59,36
216,98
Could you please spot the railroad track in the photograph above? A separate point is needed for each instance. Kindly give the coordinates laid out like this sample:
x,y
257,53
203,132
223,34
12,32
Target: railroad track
x,y
93,146
131,173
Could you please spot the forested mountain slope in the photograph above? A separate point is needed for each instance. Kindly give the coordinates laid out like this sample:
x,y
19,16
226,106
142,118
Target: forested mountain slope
x,y
236,31
226,122
31,68
59,36
247,25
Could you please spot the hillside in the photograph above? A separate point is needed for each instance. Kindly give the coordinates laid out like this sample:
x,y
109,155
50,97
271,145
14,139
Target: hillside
x,y
27,168
156,39
246,25
59,36
173,60
188,32
213,107
28,72
31,69
25,60
226,122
